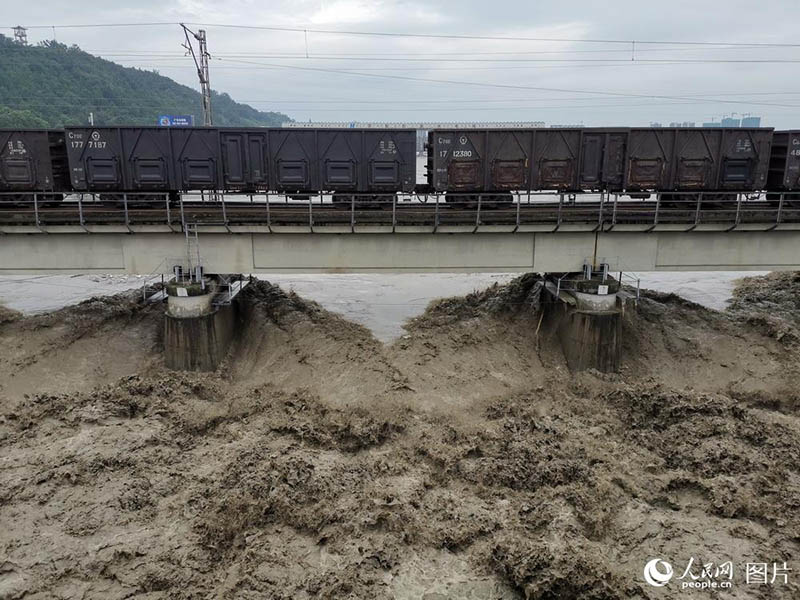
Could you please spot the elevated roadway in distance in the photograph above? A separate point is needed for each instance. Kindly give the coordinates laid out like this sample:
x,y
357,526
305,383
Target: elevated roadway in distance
x,y
399,236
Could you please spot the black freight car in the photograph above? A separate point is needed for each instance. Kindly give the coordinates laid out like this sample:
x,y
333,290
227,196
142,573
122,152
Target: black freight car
x,y
345,162
784,164
592,159
32,160
367,163
503,160
697,159
300,162
143,160
588,159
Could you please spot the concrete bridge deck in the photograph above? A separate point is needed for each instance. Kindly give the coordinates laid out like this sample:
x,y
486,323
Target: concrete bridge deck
x,y
150,249
400,236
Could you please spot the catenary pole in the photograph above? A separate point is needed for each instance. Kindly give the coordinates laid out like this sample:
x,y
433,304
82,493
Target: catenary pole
x,y
202,68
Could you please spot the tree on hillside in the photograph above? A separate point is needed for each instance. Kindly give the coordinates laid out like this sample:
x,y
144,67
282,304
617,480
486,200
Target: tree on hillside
x,y
52,85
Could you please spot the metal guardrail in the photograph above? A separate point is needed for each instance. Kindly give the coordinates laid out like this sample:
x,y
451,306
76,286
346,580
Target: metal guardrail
x,y
229,288
514,209
570,281
632,281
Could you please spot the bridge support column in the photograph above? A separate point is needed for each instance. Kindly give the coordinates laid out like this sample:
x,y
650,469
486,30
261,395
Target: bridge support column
x,y
197,334
588,323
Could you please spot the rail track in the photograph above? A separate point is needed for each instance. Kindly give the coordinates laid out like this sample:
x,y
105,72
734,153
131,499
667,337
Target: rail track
x,y
607,212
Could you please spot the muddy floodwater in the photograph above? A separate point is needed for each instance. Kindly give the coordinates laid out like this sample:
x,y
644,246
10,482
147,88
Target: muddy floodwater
x,y
380,302
460,459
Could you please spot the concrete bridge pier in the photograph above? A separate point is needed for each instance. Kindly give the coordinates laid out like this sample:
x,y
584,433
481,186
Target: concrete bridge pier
x,y
197,330
586,316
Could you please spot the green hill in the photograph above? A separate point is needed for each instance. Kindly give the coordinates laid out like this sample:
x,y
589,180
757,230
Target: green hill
x,y
52,85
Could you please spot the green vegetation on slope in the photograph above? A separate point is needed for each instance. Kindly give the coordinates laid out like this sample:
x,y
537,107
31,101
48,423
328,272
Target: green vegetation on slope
x,y
52,85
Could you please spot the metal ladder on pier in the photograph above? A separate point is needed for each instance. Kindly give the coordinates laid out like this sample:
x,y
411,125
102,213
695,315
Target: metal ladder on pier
x,y
229,286
192,246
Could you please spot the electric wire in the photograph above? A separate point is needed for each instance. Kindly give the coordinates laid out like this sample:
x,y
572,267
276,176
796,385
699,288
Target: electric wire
x,y
306,30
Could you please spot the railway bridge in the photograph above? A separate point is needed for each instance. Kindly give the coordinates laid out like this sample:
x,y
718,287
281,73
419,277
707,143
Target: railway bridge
x,y
403,235
191,239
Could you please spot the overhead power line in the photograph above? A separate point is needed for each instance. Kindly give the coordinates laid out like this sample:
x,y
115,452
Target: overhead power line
x,y
162,62
653,61
561,60
503,85
491,37
306,30
314,110
90,25
128,52
46,97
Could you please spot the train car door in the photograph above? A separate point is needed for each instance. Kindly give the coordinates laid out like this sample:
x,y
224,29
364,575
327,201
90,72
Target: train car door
x,y
244,160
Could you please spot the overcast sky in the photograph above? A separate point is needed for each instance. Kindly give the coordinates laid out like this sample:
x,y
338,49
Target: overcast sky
x,y
565,82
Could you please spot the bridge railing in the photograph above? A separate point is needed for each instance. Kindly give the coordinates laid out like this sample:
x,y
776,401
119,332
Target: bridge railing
x,y
355,211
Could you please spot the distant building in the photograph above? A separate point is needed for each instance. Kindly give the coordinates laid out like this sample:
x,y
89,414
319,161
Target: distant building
x,y
745,121
674,124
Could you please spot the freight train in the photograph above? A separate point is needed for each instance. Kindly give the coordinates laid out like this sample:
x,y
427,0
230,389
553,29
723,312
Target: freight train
x,y
144,163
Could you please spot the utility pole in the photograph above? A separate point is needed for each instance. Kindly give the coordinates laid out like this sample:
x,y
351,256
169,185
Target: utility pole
x,y
202,68
21,35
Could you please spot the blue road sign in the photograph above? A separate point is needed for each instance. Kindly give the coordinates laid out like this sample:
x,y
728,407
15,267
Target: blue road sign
x,y
176,120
